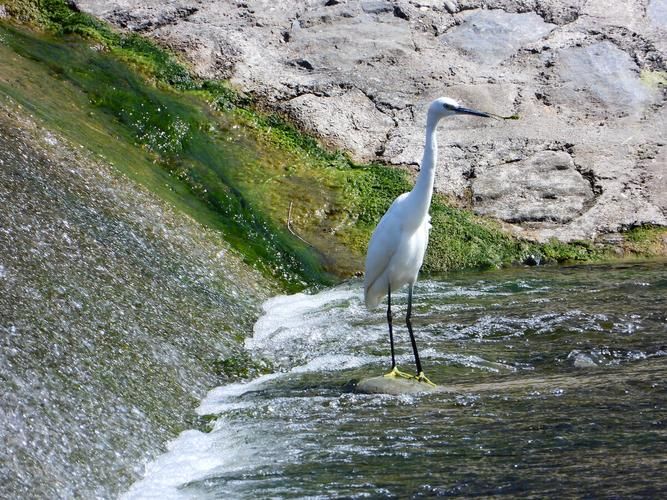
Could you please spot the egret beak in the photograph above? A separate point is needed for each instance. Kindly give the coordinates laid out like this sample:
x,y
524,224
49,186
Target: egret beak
x,y
469,111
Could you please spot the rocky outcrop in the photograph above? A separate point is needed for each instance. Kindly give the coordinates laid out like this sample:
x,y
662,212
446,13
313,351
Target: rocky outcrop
x,y
587,78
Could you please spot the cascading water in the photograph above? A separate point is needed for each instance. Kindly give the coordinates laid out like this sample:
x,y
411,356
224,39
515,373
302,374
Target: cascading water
x,y
554,383
114,318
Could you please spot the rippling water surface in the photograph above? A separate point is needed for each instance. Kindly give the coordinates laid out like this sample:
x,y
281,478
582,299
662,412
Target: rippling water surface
x,y
557,386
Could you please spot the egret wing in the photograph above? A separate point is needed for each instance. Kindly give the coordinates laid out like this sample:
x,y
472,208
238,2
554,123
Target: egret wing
x,y
382,246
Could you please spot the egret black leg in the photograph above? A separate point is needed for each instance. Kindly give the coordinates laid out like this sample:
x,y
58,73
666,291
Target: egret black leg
x,y
391,333
412,336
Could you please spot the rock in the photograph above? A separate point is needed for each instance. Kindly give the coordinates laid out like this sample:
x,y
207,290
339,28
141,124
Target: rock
x,y
532,260
491,36
543,188
376,6
332,117
580,359
392,385
602,78
451,6
657,13
587,79
149,17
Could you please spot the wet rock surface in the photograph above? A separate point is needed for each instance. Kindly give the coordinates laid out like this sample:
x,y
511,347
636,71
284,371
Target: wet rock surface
x,y
587,79
392,385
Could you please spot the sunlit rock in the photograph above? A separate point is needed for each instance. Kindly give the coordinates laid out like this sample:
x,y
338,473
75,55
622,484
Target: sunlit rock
x,y
544,187
392,385
657,13
600,78
491,36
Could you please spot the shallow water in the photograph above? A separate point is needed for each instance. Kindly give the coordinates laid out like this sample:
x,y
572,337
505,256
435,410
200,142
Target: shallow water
x,y
556,378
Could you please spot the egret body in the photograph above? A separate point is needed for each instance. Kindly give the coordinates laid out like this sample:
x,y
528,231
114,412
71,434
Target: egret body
x,y
398,244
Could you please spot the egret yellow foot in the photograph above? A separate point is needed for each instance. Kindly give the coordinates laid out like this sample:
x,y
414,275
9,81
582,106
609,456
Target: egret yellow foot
x,y
423,378
395,372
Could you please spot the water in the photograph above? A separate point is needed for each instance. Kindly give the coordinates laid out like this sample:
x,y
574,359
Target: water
x,y
556,383
116,315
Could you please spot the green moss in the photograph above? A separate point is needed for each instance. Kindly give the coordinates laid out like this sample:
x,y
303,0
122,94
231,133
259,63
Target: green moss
x,y
93,97
557,251
59,17
646,241
23,11
654,79
461,240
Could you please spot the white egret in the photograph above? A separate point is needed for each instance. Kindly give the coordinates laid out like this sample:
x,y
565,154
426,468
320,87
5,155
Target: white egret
x,y
398,244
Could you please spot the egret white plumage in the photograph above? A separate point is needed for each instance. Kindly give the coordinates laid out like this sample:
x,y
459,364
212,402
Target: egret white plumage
x,y
398,244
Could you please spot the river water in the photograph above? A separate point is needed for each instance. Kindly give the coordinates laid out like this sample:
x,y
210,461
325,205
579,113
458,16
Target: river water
x,y
556,385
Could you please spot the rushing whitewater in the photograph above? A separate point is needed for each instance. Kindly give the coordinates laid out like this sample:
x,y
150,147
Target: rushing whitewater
x,y
556,385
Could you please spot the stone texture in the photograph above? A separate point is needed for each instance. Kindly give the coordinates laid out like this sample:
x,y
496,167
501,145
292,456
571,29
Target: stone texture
x,y
603,78
338,115
586,77
392,385
657,13
491,36
544,187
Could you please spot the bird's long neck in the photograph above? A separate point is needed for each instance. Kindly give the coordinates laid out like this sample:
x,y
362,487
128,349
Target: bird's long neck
x,y
420,196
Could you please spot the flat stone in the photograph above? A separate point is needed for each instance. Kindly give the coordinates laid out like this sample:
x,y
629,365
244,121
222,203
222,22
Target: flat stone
x,y
544,187
601,77
376,6
657,13
333,117
392,385
491,36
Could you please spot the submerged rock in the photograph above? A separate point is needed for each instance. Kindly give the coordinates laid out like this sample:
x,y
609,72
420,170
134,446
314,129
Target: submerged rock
x,y
392,386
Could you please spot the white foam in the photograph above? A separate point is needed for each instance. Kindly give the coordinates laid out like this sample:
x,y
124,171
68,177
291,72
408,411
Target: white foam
x,y
189,458
295,329
286,312
300,333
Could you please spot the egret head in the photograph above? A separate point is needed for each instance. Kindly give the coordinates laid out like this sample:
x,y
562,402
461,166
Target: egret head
x,y
445,106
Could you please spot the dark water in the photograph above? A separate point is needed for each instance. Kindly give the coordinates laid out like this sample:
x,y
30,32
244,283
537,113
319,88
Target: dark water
x,y
558,388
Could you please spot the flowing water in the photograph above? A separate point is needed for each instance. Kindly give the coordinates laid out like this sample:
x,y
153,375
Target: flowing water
x,y
555,385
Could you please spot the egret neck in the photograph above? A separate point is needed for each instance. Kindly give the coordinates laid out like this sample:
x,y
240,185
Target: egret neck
x,y
420,196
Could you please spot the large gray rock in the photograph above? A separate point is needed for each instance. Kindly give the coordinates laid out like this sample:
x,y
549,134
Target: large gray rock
x,y
545,187
606,77
586,77
491,36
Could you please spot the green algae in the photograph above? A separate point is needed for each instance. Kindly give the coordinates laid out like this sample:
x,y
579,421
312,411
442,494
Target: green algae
x,y
645,240
654,78
171,143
